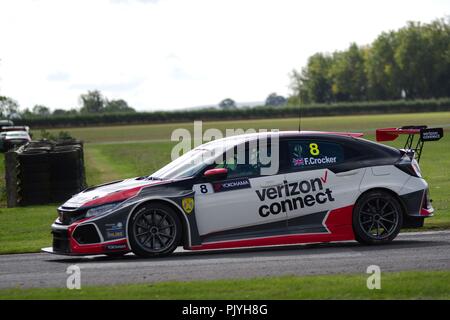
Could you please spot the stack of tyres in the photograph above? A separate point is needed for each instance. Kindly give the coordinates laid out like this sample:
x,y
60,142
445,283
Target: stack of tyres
x,y
66,174
33,177
44,172
81,174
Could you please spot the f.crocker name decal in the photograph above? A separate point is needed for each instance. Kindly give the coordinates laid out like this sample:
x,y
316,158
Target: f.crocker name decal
x,y
299,194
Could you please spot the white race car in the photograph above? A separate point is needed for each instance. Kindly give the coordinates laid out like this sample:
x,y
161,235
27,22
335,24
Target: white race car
x,y
328,186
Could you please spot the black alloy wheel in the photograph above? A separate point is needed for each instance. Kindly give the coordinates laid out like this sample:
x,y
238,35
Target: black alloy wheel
x,y
154,229
377,217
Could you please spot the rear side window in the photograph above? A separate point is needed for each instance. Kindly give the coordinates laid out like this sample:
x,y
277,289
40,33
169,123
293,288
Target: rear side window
x,y
313,154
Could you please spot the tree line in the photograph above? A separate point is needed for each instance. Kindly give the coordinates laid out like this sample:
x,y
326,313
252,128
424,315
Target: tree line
x,y
95,103
92,102
216,114
410,63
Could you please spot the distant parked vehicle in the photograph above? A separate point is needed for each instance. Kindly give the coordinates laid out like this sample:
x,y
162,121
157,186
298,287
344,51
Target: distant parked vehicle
x,y
10,139
15,128
6,123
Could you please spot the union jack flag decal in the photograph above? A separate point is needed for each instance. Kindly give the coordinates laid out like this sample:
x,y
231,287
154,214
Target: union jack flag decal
x,y
298,162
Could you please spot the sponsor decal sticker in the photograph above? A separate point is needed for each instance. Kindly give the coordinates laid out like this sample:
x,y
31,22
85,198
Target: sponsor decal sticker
x,y
187,204
117,226
114,230
294,195
310,161
298,162
234,184
431,134
115,246
115,234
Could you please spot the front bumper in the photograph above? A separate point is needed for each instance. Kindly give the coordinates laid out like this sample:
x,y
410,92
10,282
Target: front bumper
x,y
64,243
50,250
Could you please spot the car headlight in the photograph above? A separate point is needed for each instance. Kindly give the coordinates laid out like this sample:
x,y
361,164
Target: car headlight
x,y
101,210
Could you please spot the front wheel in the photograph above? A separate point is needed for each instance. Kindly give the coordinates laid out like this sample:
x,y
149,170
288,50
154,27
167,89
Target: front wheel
x,y
154,230
377,218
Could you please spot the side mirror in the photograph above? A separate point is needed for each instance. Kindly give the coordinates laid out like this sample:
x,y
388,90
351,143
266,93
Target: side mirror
x,y
218,173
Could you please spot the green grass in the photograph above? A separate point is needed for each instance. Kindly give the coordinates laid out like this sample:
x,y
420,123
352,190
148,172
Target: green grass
x,y
399,285
163,132
130,160
2,182
27,229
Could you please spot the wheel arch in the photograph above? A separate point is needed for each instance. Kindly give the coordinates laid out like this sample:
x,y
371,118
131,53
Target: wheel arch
x,y
365,236
185,236
390,191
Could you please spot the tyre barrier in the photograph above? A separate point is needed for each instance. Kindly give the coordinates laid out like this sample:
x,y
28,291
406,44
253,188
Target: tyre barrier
x,y
43,172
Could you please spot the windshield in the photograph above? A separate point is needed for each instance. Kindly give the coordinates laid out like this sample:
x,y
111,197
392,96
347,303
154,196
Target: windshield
x,y
185,166
194,161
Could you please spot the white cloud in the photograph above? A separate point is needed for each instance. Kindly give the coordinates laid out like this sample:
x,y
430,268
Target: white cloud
x,y
175,53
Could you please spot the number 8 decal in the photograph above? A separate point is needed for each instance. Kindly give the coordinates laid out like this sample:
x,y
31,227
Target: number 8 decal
x,y
203,189
314,149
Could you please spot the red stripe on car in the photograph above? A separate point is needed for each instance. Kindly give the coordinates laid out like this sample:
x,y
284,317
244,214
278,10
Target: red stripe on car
x,y
338,222
114,197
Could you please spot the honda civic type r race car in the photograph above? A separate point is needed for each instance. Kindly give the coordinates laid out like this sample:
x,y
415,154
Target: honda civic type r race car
x,y
327,187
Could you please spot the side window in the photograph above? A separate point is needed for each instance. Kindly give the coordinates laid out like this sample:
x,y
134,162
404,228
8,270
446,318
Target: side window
x,y
305,155
242,163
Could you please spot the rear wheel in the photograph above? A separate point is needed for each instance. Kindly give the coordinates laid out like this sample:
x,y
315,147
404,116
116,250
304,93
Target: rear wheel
x,y
154,230
377,217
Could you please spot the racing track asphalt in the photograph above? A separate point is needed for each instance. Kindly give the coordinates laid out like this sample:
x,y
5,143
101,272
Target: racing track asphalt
x,y
410,251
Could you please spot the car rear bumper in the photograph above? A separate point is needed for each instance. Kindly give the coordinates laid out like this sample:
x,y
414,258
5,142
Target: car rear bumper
x,y
417,207
418,204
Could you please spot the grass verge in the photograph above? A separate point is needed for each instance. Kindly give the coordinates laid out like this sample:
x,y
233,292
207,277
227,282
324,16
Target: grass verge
x,y
162,132
398,285
26,229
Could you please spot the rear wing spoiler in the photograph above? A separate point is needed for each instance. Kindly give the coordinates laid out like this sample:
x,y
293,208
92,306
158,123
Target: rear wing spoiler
x,y
425,134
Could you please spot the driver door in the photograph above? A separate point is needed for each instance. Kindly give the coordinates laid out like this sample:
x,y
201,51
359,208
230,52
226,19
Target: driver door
x,y
236,207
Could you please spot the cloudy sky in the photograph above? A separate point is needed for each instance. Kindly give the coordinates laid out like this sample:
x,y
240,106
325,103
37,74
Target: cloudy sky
x,y
167,54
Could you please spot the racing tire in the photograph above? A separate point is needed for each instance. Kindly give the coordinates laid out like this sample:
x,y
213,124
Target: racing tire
x,y
377,218
32,168
70,178
36,177
31,157
154,230
35,187
73,184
